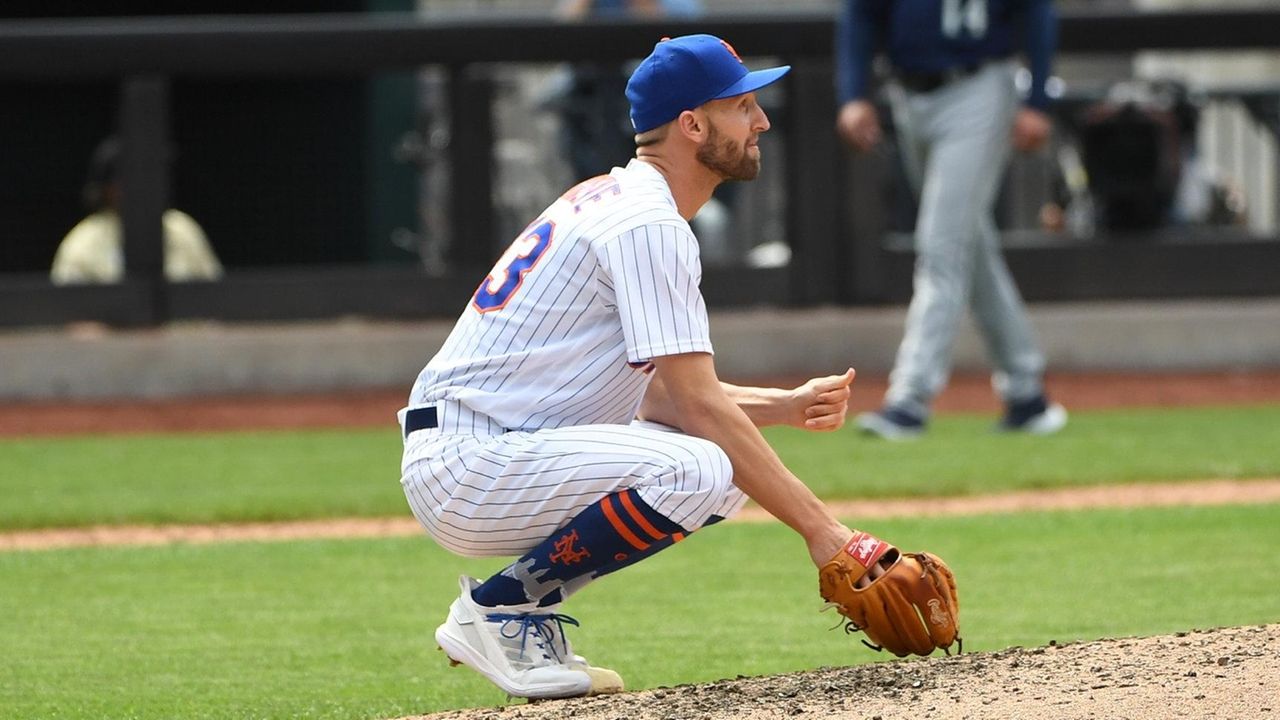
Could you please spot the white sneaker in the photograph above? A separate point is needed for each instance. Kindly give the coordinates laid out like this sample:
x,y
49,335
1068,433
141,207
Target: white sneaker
x,y
520,648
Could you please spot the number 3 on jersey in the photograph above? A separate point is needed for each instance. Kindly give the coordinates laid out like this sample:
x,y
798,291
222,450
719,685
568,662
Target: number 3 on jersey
x,y
508,273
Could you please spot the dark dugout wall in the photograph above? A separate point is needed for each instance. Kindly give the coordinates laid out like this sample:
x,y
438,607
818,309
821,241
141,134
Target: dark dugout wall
x,y
278,171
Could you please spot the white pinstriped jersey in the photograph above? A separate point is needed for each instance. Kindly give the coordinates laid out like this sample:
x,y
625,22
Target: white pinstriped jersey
x,y
562,330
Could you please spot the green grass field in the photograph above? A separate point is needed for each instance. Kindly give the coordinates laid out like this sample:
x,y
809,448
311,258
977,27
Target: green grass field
x,y
49,482
342,629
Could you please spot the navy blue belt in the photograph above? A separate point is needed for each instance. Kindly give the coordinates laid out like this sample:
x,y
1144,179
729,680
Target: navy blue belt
x,y
420,419
930,81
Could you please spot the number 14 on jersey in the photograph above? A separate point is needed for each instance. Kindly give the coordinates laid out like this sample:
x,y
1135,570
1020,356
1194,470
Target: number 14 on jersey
x,y
964,17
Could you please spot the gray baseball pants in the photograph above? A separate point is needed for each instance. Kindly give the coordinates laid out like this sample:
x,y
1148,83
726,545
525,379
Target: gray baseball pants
x,y
955,144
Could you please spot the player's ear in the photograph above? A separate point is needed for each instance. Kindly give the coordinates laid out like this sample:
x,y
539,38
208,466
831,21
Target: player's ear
x,y
693,124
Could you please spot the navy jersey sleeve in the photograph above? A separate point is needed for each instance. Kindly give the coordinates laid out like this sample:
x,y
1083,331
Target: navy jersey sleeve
x,y
1041,40
859,25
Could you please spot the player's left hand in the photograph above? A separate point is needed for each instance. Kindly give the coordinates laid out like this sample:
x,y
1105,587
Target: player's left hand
x,y
1031,129
822,402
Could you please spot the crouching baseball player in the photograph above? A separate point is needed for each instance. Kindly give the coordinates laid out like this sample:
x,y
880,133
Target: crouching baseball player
x,y
573,419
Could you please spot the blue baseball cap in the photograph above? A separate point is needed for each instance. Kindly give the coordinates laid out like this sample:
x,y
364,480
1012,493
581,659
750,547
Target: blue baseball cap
x,y
684,72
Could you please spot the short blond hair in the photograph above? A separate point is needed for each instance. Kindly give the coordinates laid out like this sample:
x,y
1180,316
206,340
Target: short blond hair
x,y
654,136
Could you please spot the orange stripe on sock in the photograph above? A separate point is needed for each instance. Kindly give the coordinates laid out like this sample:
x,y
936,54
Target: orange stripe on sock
x,y
618,525
645,525
677,537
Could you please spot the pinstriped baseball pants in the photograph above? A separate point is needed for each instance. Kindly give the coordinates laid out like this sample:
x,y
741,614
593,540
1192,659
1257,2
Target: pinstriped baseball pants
x,y
502,494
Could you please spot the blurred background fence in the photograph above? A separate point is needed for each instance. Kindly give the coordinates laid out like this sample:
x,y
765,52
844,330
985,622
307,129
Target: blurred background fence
x,y
371,157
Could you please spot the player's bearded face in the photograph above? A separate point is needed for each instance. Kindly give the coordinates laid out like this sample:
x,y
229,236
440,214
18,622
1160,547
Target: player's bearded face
x,y
730,160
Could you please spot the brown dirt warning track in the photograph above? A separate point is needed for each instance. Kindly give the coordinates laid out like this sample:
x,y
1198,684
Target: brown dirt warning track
x,y
965,393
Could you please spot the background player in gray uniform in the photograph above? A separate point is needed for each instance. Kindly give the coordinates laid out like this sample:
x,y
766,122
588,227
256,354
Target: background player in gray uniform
x,y
956,111
521,434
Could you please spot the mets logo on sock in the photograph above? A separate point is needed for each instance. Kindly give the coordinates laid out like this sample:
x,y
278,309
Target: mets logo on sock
x,y
566,552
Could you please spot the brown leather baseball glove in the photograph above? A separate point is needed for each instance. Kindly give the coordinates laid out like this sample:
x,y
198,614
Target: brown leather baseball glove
x,y
904,602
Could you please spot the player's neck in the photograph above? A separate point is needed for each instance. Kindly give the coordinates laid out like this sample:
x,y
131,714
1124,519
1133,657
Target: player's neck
x,y
691,182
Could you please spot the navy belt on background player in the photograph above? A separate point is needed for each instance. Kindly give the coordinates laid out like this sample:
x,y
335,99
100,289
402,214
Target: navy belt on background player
x,y
924,82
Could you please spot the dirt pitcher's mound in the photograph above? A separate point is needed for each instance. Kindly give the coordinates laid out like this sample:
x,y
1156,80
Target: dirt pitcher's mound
x,y
1226,673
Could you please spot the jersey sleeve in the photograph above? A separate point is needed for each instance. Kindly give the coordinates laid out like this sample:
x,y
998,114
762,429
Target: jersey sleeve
x,y
1041,38
656,271
856,29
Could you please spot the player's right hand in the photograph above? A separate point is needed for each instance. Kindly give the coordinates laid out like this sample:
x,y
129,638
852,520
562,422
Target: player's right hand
x,y
823,402
859,124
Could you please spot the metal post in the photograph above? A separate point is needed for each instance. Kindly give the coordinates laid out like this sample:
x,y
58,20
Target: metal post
x,y
471,166
865,198
143,126
813,211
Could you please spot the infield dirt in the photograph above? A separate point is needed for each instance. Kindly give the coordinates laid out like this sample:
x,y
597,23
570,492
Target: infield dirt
x,y
1230,673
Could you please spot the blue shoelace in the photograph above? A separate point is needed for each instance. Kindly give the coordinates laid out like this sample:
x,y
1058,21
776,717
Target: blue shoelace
x,y
521,624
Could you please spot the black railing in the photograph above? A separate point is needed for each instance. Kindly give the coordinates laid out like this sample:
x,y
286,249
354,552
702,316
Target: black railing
x,y
833,261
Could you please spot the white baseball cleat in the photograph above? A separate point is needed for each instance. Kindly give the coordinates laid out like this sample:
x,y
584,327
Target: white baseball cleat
x,y
1053,419
520,648
1036,416
891,423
